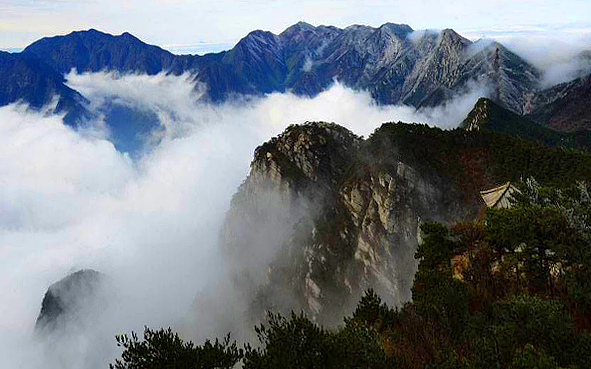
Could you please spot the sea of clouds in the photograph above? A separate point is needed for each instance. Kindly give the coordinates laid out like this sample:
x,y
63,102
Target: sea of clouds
x,y
70,200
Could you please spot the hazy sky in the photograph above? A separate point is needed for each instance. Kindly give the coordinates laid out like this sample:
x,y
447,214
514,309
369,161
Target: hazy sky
x,y
202,25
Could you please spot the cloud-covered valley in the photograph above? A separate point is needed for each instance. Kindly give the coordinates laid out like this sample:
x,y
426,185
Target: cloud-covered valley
x,y
70,199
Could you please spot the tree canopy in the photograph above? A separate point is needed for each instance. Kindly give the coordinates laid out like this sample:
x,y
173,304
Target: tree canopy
x,y
511,290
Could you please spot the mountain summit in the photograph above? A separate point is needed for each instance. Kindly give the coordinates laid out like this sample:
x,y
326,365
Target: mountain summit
x,y
393,62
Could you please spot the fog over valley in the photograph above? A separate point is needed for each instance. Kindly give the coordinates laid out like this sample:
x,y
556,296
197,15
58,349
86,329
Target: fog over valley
x,y
141,188
149,221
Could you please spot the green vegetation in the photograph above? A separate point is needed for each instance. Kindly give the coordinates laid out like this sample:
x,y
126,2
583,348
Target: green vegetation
x,y
164,349
477,159
491,117
298,343
509,291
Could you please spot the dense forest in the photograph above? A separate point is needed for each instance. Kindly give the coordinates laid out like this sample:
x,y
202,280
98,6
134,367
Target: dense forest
x,y
508,290
480,157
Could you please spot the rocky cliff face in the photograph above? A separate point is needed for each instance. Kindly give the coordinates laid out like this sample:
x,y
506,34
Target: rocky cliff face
x,y
479,117
508,77
340,214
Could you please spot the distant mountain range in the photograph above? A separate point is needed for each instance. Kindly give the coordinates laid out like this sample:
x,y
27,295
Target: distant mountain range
x,y
393,62
31,80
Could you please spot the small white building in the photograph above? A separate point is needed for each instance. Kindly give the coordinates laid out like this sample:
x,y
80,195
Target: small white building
x,y
498,197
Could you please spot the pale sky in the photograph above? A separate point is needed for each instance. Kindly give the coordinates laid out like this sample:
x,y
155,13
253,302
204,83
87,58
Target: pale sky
x,y
202,25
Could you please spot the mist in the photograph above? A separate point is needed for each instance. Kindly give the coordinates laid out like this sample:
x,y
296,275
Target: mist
x,y
70,200
556,54
559,55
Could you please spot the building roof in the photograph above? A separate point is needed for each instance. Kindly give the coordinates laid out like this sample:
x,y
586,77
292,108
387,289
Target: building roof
x,y
498,197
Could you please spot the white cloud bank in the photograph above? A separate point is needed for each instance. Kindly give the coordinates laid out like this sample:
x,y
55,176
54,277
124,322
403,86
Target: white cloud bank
x,y
69,200
555,51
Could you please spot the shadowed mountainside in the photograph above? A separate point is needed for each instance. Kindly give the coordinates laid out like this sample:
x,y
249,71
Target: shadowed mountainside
x,y
29,80
564,107
489,116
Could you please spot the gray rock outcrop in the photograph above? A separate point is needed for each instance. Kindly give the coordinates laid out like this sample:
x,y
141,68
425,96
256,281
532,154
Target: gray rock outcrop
x,y
72,301
324,215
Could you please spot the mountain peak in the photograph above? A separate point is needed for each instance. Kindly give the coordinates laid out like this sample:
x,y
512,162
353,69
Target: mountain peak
x,y
93,51
259,34
449,35
355,27
68,298
258,40
401,30
297,28
317,149
380,60
303,25
89,32
488,115
346,187
128,35
479,116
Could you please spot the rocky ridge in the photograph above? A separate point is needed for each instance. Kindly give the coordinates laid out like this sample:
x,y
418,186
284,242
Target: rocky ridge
x,y
343,218
393,62
487,115
325,214
32,81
